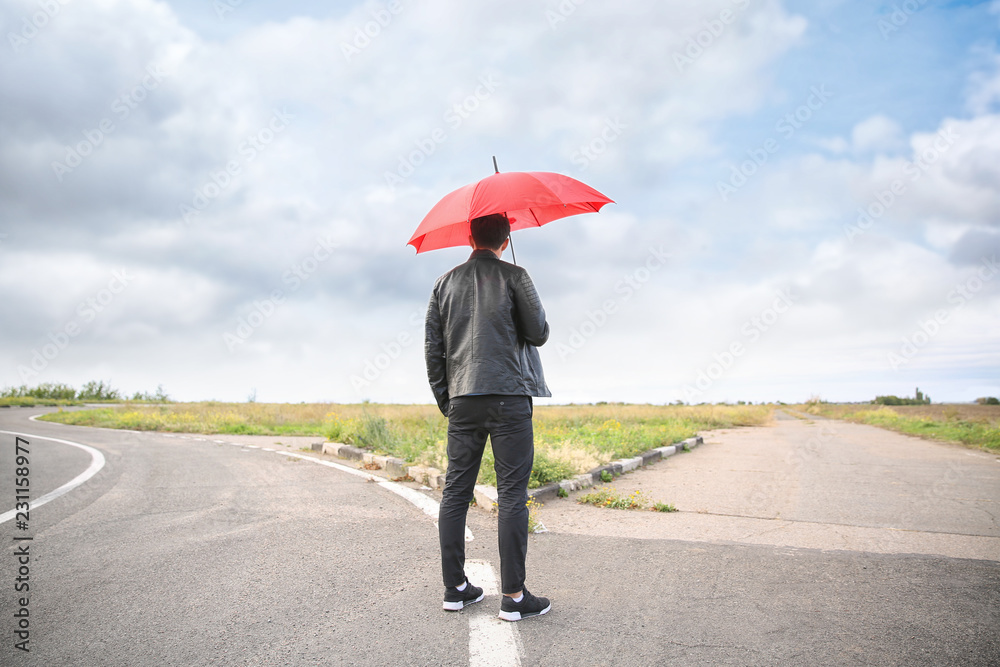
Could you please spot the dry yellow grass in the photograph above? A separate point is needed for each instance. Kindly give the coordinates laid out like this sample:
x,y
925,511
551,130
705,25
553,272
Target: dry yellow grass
x,y
569,439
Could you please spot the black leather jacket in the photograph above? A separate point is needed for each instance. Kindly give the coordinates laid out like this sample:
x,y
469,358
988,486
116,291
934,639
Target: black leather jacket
x,y
484,321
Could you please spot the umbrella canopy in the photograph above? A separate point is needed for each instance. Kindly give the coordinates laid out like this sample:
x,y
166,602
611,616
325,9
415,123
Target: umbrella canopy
x,y
529,198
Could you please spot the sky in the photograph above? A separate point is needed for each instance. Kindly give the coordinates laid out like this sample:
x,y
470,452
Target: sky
x,y
214,196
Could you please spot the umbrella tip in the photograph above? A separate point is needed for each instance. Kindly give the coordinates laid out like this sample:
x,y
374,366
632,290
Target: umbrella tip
x,y
496,169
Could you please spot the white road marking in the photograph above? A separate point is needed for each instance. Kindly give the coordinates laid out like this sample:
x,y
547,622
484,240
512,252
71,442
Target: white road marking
x,y
96,463
492,642
428,506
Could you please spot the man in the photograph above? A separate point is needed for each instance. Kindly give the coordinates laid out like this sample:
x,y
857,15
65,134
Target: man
x,y
483,324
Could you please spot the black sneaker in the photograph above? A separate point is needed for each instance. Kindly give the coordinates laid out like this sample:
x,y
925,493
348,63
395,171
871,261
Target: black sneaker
x,y
527,607
455,599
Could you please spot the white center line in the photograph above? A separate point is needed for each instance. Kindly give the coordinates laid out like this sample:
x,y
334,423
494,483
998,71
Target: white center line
x,y
492,642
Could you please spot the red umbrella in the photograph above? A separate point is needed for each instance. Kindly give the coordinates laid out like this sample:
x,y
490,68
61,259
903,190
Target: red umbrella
x,y
529,198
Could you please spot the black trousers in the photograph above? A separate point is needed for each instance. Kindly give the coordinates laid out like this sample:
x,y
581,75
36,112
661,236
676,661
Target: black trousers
x,y
507,421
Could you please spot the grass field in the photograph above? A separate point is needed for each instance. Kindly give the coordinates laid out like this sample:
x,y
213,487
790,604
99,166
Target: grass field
x,y
975,425
569,439
31,401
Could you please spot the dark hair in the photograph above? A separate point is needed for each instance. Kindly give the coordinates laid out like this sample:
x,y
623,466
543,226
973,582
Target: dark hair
x,y
490,231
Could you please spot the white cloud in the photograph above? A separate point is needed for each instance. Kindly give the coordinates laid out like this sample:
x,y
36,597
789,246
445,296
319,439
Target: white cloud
x,y
878,133
538,94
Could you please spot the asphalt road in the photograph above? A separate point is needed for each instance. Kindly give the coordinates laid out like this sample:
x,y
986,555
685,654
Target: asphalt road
x,y
812,483
186,552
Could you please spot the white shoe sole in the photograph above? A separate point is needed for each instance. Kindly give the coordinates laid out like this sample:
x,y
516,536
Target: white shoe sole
x,y
457,606
516,615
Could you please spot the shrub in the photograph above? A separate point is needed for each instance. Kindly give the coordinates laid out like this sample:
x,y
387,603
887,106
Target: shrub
x,y
46,390
546,471
159,397
375,433
340,430
98,391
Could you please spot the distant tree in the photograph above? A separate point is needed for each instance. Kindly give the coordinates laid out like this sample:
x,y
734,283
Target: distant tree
x,y
888,400
159,397
45,390
99,391
919,399
988,400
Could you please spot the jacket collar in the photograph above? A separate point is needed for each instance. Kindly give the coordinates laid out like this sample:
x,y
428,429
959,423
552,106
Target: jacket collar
x,y
484,254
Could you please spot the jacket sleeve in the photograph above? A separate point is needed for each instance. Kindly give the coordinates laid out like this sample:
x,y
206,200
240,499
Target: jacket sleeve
x,y
531,324
434,354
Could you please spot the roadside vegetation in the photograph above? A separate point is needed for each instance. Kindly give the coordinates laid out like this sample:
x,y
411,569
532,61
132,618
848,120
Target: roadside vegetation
x,y
569,439
977,425
609,498
54,393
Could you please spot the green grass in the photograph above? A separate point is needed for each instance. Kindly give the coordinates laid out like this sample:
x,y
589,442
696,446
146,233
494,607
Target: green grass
x,y
938,424
31,401
969,433
569,439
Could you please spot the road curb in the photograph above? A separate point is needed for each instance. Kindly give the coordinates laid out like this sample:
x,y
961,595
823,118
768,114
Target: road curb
x,y
394,468
486,496
615,468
